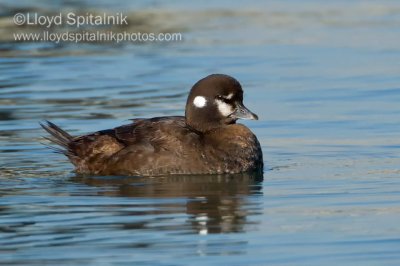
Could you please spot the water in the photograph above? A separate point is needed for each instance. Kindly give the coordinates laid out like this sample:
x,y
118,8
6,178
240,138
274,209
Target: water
x,y
324,80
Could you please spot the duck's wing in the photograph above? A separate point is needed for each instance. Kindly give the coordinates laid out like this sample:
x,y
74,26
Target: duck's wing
x,y
154,146
104,151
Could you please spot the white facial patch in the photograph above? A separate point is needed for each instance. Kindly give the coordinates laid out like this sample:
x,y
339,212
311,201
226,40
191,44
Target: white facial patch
x,y
224,108
229,96
199,101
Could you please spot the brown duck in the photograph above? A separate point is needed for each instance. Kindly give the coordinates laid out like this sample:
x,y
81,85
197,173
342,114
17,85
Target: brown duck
x,y
206,140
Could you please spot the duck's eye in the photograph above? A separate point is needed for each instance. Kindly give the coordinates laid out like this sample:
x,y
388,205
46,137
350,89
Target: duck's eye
x,y
222,98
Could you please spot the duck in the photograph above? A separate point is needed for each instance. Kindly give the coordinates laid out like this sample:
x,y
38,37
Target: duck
x,y
206,140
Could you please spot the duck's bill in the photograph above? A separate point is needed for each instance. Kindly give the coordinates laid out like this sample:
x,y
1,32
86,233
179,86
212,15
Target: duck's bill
x,y
242,112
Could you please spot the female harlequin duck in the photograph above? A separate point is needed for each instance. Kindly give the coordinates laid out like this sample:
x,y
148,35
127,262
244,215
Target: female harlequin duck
x,y
206,140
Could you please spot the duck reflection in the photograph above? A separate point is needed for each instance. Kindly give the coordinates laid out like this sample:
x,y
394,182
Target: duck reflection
x,y
213,203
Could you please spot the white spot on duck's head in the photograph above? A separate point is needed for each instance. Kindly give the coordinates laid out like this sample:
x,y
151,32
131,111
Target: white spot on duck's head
x,y
229,96
199,101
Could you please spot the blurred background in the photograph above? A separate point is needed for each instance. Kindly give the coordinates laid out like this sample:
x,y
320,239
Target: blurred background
x,y
323,78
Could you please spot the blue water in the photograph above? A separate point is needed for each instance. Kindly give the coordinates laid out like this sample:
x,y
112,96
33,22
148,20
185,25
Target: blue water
x,y
324,80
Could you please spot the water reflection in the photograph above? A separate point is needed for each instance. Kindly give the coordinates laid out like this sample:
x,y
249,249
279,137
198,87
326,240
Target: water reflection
x,y
214,204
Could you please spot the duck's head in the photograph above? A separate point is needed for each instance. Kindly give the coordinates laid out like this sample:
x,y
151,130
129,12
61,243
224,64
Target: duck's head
x,y
215,101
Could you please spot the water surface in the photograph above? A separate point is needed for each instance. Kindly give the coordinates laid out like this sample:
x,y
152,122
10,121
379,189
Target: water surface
x,y
324,80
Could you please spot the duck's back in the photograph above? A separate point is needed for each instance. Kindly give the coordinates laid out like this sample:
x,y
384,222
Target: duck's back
x,y
153,146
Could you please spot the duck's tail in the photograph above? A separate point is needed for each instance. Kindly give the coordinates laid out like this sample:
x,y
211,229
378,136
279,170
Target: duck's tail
x,y
88,153
59,137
